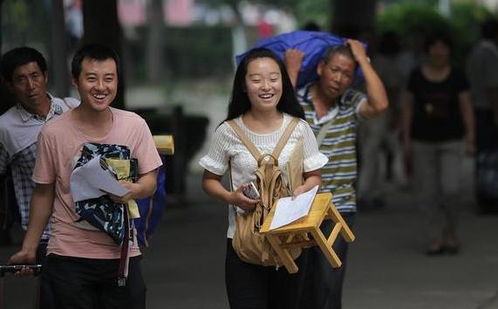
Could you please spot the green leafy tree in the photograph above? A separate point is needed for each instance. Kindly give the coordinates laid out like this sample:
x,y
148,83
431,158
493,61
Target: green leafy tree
x,y
317,11
465,19
407,18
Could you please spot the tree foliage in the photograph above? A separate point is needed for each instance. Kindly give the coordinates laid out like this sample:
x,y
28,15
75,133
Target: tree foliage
x,y
24,21
407,18
462,26
465,20
318,11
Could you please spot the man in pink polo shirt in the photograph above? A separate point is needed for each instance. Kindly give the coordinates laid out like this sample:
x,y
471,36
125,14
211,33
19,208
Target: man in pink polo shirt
x,y
83,262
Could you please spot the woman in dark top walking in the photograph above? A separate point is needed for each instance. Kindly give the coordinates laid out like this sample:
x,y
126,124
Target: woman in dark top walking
x,y
438,124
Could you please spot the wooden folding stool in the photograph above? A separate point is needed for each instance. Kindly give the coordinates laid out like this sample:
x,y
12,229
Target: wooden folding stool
x,y
281,239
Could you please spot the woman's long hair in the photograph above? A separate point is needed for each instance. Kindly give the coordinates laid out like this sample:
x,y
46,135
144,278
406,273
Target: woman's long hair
x,y
239,101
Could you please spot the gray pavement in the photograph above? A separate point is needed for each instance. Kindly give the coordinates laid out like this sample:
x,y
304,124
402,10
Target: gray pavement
x,y
387,268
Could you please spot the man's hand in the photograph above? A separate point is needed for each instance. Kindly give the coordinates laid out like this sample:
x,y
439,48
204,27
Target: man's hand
x,y
293,59
24,256
358,50
132,190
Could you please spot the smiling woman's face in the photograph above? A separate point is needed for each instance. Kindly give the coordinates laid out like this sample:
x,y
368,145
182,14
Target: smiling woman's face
x,y
263,83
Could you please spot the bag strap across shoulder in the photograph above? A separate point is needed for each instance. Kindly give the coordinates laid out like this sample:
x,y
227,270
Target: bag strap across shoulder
x,y
285,137
245,140
250,146
321,135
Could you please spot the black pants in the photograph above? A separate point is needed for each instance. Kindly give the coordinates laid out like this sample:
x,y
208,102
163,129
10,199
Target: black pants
x,y
45,294
80,283
486,141
252,286
323,284
486,130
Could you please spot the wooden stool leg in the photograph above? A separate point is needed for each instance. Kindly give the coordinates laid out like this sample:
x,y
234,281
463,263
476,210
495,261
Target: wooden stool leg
x,y
345,231
335,232
283,254
327,250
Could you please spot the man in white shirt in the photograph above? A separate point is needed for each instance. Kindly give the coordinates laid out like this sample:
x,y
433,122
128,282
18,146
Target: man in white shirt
x,y
24,71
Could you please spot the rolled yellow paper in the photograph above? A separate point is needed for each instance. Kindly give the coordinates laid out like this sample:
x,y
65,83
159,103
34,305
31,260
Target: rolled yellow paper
x,y
164,144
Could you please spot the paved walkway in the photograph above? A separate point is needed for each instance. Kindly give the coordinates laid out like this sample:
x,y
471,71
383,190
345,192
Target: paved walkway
x,y
387,269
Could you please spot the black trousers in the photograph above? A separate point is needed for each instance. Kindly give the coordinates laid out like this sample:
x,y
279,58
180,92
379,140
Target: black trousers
x,y
252,286
80,283
486,130
323,284
486,141
45,293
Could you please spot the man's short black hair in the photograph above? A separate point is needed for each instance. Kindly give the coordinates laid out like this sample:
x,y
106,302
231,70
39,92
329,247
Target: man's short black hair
x,y
19,56
95,52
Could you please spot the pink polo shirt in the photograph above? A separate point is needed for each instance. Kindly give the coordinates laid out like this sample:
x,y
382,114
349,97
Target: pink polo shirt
x,y
59,147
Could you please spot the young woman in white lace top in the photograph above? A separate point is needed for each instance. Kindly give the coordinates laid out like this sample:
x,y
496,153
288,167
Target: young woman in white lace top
x,y
262,104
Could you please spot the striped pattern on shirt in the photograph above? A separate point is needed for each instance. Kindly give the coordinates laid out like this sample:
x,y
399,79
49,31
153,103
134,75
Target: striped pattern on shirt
x,y
339,145
19,130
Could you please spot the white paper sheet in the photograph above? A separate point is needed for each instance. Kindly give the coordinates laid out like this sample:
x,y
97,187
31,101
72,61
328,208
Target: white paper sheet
x,y
90,181
289,210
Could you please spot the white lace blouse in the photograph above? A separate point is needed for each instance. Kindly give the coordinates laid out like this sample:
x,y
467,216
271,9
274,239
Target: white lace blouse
x,y
226,146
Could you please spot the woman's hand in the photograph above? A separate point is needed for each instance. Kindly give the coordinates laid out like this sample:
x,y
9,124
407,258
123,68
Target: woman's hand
x,y
211,183
298,190
238,199
311,179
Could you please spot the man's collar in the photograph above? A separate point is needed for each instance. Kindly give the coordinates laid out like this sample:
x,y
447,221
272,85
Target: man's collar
x,y
55,109
309,97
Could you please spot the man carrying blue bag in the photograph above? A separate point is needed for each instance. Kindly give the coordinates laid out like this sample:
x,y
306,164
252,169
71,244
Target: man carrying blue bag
x,y
333,109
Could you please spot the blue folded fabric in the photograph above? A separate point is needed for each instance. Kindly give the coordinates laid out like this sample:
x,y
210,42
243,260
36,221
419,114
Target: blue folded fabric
x,y
312,43
103,212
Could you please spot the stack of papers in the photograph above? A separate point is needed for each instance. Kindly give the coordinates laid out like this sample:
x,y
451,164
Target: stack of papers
x,y
289,210
91,181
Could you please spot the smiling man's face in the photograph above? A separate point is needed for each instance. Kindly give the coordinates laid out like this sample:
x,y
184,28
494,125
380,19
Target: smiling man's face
x,y
97,83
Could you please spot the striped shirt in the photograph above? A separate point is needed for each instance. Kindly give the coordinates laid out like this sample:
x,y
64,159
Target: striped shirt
x,y
339,145
19,131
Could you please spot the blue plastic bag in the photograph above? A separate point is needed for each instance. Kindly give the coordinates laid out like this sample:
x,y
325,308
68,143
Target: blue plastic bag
x,y
312,43
151,210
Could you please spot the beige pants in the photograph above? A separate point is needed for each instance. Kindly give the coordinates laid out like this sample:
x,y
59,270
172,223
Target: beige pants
x,y
436,175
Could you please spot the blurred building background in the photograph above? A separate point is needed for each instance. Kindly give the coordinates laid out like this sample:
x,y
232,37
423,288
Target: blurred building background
x,y
178,58
179,54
